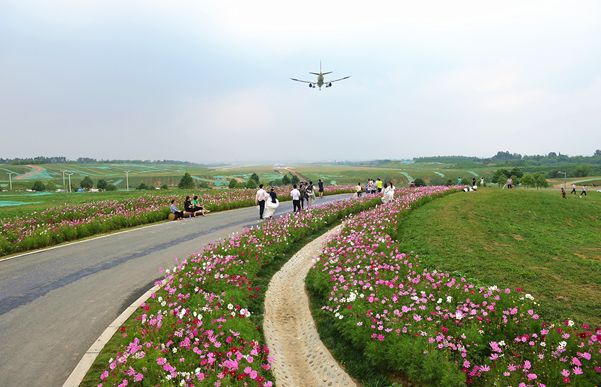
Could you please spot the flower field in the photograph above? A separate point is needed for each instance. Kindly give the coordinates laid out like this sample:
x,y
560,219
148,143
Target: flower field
x,y
52,226
201,326
438,328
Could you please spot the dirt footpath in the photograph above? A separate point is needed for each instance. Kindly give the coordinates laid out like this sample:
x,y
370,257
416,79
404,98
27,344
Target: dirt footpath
x,y
300,358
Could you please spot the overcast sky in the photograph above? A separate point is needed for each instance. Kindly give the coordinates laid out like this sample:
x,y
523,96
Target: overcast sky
x,y
208,81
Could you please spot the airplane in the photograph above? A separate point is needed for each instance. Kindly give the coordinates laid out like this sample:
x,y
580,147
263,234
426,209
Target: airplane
x,y
320,79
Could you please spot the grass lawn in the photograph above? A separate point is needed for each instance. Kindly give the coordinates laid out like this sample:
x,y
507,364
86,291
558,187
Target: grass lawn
x,y
548,246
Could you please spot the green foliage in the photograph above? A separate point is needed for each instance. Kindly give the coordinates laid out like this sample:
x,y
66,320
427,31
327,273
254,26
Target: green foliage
x,y
186,182
294,180
50,186
86,183
285,180
251,183
143,186
164,186
500,176
255,177
233,183
540,181
203,184
111,187
528,180
102,184
419,182
38,186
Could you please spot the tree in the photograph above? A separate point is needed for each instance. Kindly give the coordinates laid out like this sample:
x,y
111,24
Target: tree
x,y
38,186
111,187
285,180
186,182
540,181
233,183
86,183
251,183
528,180
164,186
597,153
142,186
255,177
516,172
294,179
419,182
203,184
50,186
500,176
101,185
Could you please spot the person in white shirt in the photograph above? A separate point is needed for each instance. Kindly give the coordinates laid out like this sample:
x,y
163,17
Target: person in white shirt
x,y
260,198
296,196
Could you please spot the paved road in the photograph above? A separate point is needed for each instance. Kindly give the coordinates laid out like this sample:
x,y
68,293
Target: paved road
x,y
55,303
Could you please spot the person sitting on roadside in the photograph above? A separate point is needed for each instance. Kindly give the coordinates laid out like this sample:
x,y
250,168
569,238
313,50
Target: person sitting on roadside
x,y
198,207
175,211
188,206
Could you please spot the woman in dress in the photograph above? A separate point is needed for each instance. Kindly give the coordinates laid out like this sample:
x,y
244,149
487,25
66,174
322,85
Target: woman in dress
x,y
271,204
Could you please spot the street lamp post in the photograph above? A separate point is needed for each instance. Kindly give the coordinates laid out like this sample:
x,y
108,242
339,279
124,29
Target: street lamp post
x,y
127,181
64,188
10,180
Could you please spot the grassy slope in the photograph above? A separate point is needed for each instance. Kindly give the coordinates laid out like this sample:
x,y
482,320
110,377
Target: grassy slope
x,y
535,240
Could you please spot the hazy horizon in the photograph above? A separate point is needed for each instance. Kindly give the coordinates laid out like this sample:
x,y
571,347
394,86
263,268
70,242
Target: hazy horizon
x,y
208,82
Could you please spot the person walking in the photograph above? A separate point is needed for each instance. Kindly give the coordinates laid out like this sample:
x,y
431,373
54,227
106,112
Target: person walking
x,y
310,194
303,193
509,183
583,193
481,181
272,204
573,190
358,190
295,195
260,198
563,193
320,186
379,185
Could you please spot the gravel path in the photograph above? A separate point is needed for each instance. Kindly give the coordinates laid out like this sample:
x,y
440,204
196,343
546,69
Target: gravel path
x,y
300,358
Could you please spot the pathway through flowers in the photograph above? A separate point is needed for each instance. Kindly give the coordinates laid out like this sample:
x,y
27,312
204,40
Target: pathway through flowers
x,y
300,358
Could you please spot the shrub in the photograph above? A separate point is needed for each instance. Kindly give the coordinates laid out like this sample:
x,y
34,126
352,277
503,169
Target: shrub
x,y
251,183
111,187
164,186
102,184
419,182
86,183
186,182
143,186
38,186
233,183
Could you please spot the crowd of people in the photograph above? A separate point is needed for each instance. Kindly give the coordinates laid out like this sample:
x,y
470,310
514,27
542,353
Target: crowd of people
x,y
192,207
573,192
377,186
303,195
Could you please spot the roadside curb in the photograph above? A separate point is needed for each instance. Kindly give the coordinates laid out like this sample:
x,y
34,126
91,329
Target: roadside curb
x,y
82,368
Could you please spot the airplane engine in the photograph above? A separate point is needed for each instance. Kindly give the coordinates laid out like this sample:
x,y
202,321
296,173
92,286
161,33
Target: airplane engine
x,y
330,84
311,85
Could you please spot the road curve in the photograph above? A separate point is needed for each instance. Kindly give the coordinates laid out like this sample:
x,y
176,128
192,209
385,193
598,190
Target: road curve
x,y
55,303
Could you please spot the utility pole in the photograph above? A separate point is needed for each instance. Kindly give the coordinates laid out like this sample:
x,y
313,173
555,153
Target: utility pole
x,y
127,181
64,188
565,176
69,175
10,181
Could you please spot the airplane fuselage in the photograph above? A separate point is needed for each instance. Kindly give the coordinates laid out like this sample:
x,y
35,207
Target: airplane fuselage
x,y
319,80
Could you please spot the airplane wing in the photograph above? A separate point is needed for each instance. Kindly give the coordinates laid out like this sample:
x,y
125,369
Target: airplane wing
x,y
339,79
300,80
